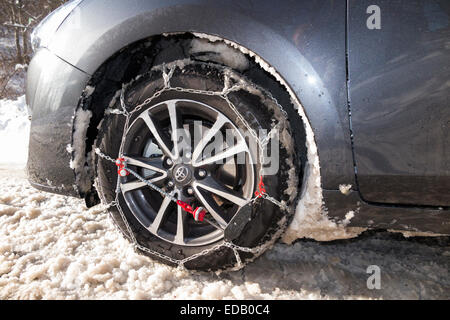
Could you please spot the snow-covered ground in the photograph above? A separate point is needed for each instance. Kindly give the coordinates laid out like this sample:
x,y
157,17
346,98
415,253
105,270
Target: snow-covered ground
x,y
14,131
52,247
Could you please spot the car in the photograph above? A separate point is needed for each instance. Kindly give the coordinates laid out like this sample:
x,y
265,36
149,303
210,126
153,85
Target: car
x,y
210,129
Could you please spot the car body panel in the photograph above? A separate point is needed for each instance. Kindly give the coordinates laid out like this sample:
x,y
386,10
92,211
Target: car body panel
x,y
426,220
399,90
310,34
304,41
53,91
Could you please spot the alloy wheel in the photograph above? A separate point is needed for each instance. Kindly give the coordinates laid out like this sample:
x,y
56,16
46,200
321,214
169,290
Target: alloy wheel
x,y
193,151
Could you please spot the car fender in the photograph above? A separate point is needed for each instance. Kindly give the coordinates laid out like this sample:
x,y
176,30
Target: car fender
x,y
303,41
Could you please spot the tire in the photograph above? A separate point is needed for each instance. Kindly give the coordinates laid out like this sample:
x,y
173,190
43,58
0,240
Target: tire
x,y
259,110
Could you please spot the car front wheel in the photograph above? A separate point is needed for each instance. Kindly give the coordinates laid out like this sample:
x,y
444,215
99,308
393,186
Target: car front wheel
x,y
199,132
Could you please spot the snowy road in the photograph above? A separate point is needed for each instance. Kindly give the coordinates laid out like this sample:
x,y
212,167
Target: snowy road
x,y
53,247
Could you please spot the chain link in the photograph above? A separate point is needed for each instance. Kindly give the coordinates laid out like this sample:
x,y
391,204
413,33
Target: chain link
x,y
262,143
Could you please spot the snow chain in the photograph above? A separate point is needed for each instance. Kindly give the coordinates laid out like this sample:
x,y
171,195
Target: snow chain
x,y
119,161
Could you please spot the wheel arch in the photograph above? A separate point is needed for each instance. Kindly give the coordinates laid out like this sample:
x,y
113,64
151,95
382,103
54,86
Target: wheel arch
x,y
322,100
105,85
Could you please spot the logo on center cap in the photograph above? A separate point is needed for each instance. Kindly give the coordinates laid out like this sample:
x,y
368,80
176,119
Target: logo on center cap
x,y
181,174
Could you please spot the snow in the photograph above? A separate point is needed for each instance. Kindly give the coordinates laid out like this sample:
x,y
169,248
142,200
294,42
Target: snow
x,y
20,67
14,128
78,147
348,216
345,188
220,53
53,247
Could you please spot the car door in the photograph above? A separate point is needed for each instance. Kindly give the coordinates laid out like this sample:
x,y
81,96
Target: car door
x,y
399,95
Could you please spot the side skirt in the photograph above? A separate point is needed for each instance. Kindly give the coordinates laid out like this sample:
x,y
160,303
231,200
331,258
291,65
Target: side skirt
x,y
417,219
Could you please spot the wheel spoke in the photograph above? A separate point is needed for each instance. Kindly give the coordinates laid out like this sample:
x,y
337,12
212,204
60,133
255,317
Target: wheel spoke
x,y
211,207
221,120
181,218
231,151
160,138
175,124
154,227
137,184
154,164
212,185
130,186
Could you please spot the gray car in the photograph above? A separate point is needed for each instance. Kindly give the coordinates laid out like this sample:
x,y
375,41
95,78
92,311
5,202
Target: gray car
x,y
209,128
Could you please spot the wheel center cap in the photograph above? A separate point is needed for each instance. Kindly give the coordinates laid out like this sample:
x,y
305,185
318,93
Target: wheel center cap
x,y
182,174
